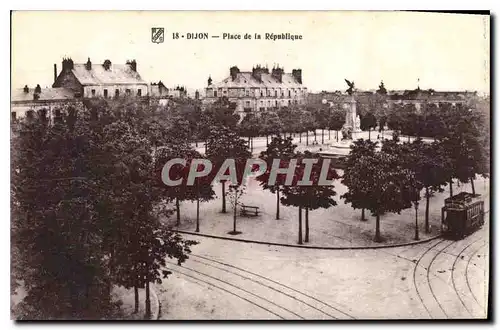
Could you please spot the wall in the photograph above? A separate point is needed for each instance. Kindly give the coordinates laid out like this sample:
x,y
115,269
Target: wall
x,y
99,90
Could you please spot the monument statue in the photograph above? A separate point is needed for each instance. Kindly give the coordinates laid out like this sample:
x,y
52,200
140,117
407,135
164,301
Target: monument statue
x,y
350,90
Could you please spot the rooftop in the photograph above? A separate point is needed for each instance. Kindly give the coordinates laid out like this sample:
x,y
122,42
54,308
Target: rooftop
x,y
47,94
98,75
245,79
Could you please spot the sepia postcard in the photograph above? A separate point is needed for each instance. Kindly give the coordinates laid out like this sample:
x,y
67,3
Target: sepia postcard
x,y
250,165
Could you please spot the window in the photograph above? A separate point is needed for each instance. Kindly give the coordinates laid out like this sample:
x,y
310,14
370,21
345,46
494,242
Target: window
x,y
13,115
127,91
106,93
276,94
139,92
247,92
215,93
29,114
262,93
289,93
247,103
93,92
117,92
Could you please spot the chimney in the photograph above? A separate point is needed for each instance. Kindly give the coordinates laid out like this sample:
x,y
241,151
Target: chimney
x,y
209,81
297,74
107,64
55,73
233,71
67,64
133,65
88,65
38,89
257,73
26,89
277,73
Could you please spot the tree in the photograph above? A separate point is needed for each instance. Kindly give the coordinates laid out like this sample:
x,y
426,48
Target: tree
x,y
321,119
271,124
386,185
430,167
235,193
355,179
311,196
282,149
200,191
336,121
250,127
100,217
368,122
224,143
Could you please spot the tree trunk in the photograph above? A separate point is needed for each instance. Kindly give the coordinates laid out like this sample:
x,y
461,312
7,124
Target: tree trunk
x,y
223,183
147,316
307,138
178,209
378,238
363,218
315,135
205,147
322,136
196,143
234,215
408,138
267,140
278,203
329,135
472,185
300,225
136,299
369,134
427,200
307,225
337,135
416,223
451,187
198,214
300,137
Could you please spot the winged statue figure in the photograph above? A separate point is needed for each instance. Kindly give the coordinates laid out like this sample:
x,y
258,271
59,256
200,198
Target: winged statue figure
x,y
351,86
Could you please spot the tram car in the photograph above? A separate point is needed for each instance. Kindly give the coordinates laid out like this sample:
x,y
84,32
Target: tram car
x,y
461,215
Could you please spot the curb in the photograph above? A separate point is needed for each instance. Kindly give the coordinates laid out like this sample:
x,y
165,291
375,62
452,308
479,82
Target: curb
x,y
372,247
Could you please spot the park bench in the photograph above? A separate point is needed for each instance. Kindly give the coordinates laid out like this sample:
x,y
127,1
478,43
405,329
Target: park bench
x,y
248,210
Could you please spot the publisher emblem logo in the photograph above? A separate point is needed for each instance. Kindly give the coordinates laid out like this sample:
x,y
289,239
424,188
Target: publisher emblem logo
x,y
157,35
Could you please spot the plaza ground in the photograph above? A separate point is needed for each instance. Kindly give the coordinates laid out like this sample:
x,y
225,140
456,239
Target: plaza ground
x,y
337,226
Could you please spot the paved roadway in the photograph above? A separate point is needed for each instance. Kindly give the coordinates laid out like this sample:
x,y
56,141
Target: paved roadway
x,y
440,279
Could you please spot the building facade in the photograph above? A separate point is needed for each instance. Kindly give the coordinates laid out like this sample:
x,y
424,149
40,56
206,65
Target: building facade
x,y
418,98
104,80
45,102
77,82
259,90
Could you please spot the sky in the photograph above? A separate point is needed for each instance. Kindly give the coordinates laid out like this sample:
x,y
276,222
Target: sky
x,y
404,49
